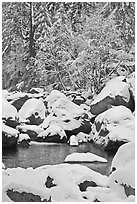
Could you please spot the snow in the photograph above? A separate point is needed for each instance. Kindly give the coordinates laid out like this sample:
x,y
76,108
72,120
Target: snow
x,y
8,110
31,106
65,108
11,132
53,130
3,166
23,137
73,141
25,128
84,157
113,88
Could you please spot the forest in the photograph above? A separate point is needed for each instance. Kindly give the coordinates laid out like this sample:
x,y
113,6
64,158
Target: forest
x,y
76,45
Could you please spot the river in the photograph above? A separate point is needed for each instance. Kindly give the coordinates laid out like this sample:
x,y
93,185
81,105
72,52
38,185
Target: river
x,y
39,154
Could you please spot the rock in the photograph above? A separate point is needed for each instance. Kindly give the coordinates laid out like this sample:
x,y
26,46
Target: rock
x,y
78,100
115,93
113,128
32,112
9,136
16,196
24,140
73,141
18,103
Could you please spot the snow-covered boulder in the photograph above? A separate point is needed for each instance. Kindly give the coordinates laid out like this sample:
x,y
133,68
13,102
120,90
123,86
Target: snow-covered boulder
x,y
3,166
84,157
9,136
57,183
53,97
9,112
131,81
71,116
122,180
32,112
53,133
114,127
125,154
31,130
73,141
5,93
83,137
23,140
115,93
122,177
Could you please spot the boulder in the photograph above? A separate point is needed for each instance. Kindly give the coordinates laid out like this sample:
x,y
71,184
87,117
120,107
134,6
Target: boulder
x,y
9,136
18,103
113,128
32,112
116,92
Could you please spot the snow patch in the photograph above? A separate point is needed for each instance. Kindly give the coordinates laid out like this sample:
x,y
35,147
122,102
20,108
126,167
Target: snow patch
x,y
84,157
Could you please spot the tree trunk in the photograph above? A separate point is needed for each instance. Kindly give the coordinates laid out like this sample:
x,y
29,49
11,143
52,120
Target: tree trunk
x,y
32,51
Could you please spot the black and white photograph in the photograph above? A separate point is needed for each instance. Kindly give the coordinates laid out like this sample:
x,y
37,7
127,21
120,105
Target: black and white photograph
x,y
68,101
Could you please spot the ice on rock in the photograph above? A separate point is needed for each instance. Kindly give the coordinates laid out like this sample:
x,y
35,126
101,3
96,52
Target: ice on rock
x,y
84,157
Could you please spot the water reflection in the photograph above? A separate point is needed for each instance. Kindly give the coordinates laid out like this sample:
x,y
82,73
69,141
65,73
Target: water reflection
x,y
45,154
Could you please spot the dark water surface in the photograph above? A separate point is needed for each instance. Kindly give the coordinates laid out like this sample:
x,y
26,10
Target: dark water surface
x,y
39,154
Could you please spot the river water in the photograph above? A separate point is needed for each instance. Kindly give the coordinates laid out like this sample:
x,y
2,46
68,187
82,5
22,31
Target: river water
x,y
39,154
